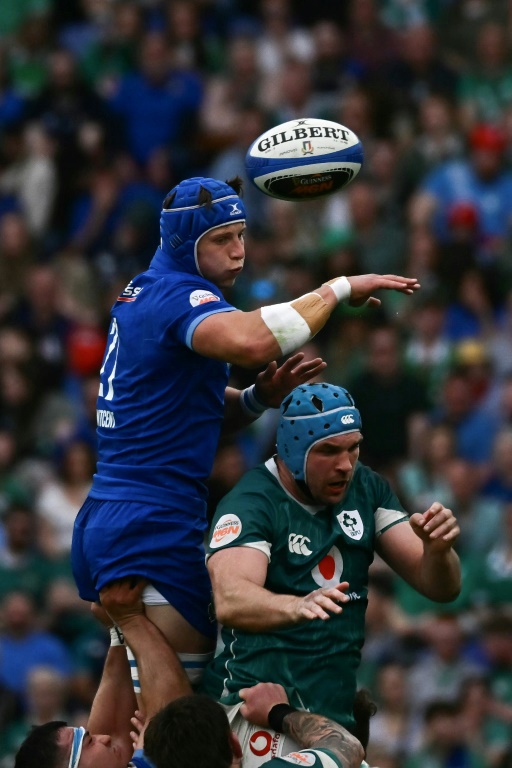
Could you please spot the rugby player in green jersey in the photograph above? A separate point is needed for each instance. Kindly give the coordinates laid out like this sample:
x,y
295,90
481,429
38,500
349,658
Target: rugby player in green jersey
x,y
289,553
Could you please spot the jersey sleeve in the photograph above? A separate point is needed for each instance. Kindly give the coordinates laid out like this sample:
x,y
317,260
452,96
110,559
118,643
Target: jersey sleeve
x,y
388,509
180,305
308,758
242,519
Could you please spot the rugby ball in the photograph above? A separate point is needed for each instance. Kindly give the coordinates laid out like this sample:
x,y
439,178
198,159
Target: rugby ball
x,y
304,159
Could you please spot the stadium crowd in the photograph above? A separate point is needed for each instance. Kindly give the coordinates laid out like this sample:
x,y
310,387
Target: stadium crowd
x,y
104,106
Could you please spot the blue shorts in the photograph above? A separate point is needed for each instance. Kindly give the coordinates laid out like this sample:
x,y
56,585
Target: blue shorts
x,y
116,539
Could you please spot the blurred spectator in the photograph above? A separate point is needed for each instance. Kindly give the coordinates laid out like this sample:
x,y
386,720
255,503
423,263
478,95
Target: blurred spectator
x,y
158,102
60,497
29,53
479,518
46,701
416,74
280,38
499,484
481,180
249,123
293,96
445,741
195,48
12,104
424,479
460,24
486,90
39,314
333,71
390,726
22,565
109,55
32,179
428,352
486,721
439,674
493,573
436,140
16,256
388,397
474,429
12,489
24,646
370,42
380,243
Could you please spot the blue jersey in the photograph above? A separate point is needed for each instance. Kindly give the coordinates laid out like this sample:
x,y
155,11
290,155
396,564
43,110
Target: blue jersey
x,y
160,404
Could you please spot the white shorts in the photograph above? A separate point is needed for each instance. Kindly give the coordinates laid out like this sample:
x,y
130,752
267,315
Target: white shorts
x,y
258,744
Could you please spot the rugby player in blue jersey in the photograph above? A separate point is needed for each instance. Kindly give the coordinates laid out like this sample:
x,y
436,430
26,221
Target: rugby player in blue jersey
x,y
163,397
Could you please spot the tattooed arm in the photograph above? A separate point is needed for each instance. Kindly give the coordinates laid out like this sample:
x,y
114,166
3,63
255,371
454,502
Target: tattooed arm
x,y
309,730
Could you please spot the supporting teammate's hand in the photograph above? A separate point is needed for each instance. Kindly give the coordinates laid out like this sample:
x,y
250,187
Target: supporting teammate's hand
x,y
259,700
362,287
317,604
122,599
273,384
138,722
437,527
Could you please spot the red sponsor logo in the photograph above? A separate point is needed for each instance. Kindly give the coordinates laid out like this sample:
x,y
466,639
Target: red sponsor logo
x,y
260,743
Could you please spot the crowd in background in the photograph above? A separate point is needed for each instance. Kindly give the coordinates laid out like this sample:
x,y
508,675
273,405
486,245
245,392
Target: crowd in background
x,y
104,106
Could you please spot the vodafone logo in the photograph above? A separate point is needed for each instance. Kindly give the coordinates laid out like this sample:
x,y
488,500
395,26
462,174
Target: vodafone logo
x,y
328,571
202,297
228,528
260,743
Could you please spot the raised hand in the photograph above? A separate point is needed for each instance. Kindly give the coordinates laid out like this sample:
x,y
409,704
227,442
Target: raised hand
x,y
363,286
273,384
318,603
437,527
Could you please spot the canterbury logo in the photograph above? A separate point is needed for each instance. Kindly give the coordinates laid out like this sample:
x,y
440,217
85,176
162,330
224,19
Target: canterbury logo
x,y
234,209
299,544
347,419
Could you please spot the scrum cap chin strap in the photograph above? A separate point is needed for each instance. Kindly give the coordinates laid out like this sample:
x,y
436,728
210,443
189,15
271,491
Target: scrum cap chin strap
x,y
76,747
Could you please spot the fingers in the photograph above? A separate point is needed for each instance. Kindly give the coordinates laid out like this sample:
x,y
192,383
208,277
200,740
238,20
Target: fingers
x,y
437,522
318,604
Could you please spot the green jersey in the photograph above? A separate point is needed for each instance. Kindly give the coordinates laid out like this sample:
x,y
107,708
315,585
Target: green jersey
x,y
307,548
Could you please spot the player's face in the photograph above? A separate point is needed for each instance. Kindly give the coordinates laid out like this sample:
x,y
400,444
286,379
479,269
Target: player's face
x,y
221,254
330,467
97,751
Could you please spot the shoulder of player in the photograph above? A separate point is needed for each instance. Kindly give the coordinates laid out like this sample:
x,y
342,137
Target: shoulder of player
x,y
256,484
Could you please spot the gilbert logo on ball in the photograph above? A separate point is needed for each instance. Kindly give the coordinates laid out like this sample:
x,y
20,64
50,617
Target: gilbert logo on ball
x,y
304,159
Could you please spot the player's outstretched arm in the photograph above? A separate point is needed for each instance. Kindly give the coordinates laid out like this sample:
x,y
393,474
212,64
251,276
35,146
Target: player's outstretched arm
x,y
244,603
262,705
252,339
162,676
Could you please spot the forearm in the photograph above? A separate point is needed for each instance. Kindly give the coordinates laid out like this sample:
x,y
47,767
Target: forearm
x,y
439,576
315,731
114,702
240,409
161,674
252,608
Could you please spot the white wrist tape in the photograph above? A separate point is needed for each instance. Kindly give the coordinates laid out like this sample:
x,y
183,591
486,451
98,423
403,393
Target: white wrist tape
x,y
116,636
288,327
341,288
250,404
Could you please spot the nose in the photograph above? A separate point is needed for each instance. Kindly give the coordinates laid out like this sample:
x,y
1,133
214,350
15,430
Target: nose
x,y
238,250
103,738
343,463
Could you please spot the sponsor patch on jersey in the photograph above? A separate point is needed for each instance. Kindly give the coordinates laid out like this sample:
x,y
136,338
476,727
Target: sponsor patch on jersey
x,y
300,758
351,523
202,297
328,571
228,528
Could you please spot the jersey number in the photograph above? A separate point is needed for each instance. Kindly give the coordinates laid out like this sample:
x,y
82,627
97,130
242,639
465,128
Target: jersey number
x,y
108,369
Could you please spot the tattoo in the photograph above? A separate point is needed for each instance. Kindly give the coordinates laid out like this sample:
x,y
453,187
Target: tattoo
x,y
316,731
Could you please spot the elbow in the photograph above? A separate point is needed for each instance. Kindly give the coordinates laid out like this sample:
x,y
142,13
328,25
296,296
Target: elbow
x,y
254,353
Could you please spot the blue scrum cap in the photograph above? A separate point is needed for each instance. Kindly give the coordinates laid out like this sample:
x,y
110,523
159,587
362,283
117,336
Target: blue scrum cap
x,y
184,220
310,413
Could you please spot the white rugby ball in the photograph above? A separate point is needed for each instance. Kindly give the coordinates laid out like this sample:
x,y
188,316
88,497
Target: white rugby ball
x,y
304,159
